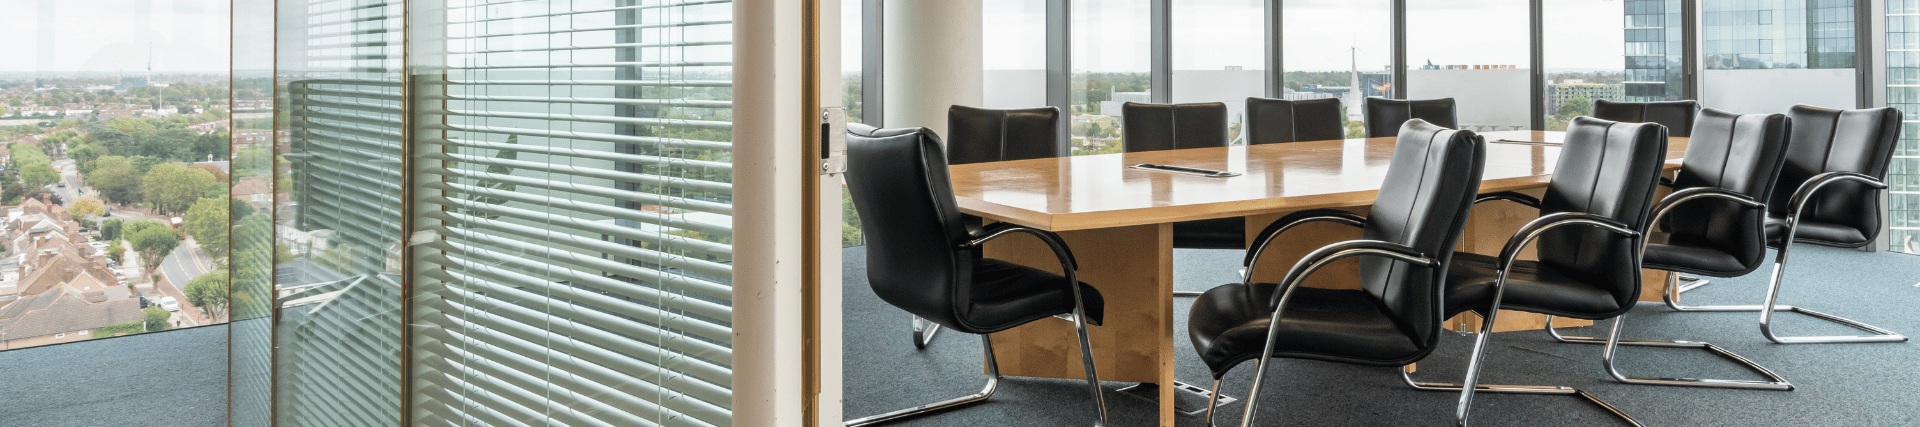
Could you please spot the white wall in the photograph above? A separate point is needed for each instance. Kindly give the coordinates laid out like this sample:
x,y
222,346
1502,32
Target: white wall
x,y
1229,86
1774,91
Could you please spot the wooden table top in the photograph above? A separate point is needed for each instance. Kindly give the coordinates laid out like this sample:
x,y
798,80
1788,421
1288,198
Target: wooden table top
x,y
1099,191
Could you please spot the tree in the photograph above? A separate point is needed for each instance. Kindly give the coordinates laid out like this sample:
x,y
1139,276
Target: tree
x,y
1575,106
84,155
110,230
174,187
153,243
238,209
253,252
209,292
115,178
207,222
85,206
156,318
39,175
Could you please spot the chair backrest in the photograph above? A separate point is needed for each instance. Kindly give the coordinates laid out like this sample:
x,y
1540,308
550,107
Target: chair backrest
x,y
1384,116
1676,115
1271,121
1423,203
898,179
1823,140
1154,127
1740,153
976,135
1608,169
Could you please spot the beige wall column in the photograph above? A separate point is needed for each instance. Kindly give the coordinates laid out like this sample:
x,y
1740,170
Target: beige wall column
x,y
933,52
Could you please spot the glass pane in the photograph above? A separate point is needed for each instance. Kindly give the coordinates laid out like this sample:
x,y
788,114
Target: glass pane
x,y
851,58
1339,49
1903,93
1759,44
1583,54
1111,52
1217,55
1014,60
250,346
337,284
1483,66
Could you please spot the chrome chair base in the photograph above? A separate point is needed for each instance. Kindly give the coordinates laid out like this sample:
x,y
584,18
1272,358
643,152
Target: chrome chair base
x,y
1672,299
993,382
923,332
1406,374
1691,282
1613,342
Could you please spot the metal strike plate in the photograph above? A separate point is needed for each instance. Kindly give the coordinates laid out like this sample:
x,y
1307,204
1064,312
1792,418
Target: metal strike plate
x,y
833,140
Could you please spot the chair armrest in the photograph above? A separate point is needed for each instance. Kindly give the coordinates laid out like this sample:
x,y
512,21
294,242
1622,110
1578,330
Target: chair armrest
x,y
1683,196
1526,234
1798,203
1334,252
1287,222
1806,191
1511,197
1053,241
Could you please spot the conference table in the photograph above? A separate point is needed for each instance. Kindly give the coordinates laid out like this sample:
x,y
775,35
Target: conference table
x,y
1118,223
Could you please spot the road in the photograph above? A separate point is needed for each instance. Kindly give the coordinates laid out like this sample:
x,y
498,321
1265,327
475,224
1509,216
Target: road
x,y
185,263
69,175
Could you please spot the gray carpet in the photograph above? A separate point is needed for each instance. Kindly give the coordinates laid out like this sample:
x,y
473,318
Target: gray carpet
x,y
1838,384
161,379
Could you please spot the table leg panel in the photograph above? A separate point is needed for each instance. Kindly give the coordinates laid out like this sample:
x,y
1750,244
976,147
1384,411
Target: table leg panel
x,y
1133,269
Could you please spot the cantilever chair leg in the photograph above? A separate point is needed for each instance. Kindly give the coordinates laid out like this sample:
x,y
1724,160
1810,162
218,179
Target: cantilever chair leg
x,y
923,332
1471,384
1691,282
1772,304
1613,342
993,382
1407,375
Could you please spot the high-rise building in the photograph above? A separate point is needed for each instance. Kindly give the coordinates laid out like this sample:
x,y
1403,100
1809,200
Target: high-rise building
x,y
1741,35
1903,93
1653,38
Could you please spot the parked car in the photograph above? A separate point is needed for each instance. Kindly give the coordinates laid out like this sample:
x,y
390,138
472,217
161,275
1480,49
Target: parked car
x,y
144,303
169,304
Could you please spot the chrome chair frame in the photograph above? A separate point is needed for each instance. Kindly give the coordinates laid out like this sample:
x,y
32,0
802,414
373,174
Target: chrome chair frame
x,y
1799,204
1613,340
1313,261
1068,265
1508,255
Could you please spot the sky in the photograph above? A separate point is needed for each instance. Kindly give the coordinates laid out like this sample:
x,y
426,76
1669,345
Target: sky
x,y
1321,35
115,35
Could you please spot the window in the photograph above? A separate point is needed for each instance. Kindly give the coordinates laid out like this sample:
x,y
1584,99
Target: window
x,y
1339,49
851,57
1759,44
1903,93
1483,67
1111,53
577,180
1218,55
1582,56
1014,59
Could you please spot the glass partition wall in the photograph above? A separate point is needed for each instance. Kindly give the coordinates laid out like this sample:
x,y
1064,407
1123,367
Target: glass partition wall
x,y
1111,57
1218,56
1484,68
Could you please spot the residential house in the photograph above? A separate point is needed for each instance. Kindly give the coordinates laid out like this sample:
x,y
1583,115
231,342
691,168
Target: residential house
x,y
58,316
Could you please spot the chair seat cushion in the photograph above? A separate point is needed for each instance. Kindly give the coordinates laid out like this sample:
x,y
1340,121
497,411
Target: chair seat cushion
x,y
1531,287
1006,295
1228,324
1689,254
1217,233
1815,232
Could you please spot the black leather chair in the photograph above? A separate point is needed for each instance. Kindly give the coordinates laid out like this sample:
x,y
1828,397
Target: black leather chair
x,y
978,135
1154,127
920,256
1394,319
1676,115
1589,235
1384,116
1713,224
1273,121
1828,195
